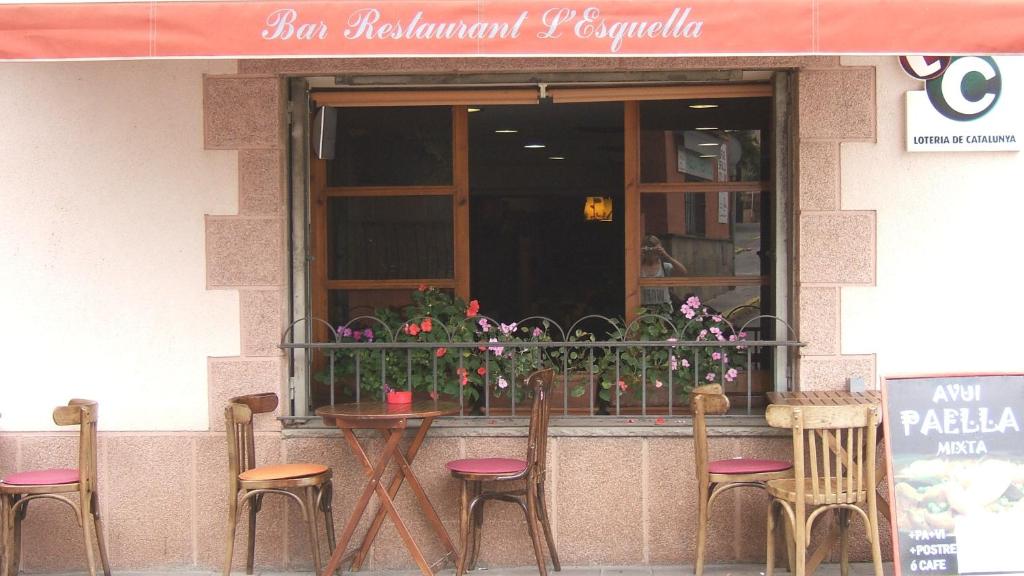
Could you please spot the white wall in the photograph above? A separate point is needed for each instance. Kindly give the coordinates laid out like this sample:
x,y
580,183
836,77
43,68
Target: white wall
x,y
950,286
104,184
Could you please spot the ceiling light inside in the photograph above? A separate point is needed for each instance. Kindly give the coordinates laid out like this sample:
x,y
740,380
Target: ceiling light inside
x,y
472,109
506,131
703,106
535,145
706,128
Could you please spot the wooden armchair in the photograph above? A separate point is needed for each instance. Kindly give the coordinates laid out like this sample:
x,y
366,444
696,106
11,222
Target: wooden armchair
x,y
834,462
308,484
17,490
475,472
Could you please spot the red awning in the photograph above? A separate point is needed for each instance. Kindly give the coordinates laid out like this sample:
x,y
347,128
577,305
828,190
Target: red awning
x,y
359,28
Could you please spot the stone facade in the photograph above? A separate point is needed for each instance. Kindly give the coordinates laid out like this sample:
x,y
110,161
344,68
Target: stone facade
x,y
614,499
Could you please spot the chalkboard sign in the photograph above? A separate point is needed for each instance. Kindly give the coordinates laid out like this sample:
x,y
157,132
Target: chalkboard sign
x,y
955,453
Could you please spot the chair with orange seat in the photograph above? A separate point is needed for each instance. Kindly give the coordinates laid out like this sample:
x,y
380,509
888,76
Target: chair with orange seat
x,y
308,484
475,472
17,490
715,477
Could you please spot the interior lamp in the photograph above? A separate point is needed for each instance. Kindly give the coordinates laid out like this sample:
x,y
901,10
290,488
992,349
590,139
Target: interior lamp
x,y
598,208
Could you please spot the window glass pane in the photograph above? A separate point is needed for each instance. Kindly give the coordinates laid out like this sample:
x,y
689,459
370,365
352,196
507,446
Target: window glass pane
x,y
720,144
702,234
346,305
392,146
393,237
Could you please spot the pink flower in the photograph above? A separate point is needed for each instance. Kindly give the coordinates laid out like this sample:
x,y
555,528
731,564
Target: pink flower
x,y
357,335
433,395
731,374
716,355
507,328
716,318
368,334
502,383
673,363
537,332
496,349
693,302
658,384
345,331
684,363
622,385
703,334
716,330
484,325
710,377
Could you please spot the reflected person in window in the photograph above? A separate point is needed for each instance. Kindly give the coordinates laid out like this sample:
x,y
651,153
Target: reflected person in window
x,y
656,262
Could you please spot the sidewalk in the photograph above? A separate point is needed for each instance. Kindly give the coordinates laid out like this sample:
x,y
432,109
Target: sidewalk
x,y
856,569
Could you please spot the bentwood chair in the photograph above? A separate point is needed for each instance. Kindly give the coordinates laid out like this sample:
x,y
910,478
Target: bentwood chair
x,y
476,472
308,484
17,490
714,478
834,461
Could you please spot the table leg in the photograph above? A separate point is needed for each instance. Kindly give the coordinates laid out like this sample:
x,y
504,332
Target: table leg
x,y
405,472
375,472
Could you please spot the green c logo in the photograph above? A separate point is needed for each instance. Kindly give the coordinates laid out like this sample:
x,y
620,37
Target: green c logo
x,y
967,89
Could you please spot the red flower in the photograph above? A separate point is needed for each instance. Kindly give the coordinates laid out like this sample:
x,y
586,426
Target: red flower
x,y
481,370
422,288
433,395
412,329
427,325
473,309
622,385
463,379
440,352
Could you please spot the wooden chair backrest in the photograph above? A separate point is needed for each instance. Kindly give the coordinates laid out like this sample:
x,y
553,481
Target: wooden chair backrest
x,y
241,440
833,450
84,414
704,400
540,414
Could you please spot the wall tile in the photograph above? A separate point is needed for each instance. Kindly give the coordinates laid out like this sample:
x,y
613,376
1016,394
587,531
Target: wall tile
x,y
819,176
244,252
831,372
150,480
230,377
837,247
242,112
261,183
599,500
263,321
837,104
819,321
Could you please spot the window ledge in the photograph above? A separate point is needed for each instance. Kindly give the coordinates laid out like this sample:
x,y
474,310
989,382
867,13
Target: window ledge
x,y
594,426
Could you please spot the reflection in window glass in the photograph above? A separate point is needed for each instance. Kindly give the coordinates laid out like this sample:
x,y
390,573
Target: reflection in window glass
x,y
346,305
720,144
705,233
393,237
392,146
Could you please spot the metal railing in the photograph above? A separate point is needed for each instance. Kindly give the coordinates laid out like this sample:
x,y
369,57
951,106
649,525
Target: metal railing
x,y
623,374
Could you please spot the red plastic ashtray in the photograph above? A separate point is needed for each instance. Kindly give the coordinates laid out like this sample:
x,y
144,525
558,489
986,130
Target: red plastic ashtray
x,y
400,397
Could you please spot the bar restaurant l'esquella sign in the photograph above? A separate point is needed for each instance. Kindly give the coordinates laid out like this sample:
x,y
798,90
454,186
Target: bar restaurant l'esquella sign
x,y
969,104
955,453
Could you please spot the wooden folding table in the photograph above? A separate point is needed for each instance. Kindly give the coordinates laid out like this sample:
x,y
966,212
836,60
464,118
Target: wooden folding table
x,y
391,420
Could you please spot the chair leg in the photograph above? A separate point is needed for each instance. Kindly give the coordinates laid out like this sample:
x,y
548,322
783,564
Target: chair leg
x,y
800,538
12,533
534,527
326,494
255,503
230,536
85,521
546,524
314,539
702,529
464,520
769,568
876,545
101,543
843,517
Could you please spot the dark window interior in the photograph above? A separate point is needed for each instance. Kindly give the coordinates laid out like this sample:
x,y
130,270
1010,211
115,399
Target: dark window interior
x,y
532,250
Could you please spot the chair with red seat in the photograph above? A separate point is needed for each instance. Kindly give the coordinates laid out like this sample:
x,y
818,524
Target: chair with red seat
x,y
717,476
308,484
17,490
475,472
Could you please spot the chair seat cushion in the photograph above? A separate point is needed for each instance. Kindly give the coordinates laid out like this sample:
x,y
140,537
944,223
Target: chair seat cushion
x,y
43,477
487,466
747,466
282,471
